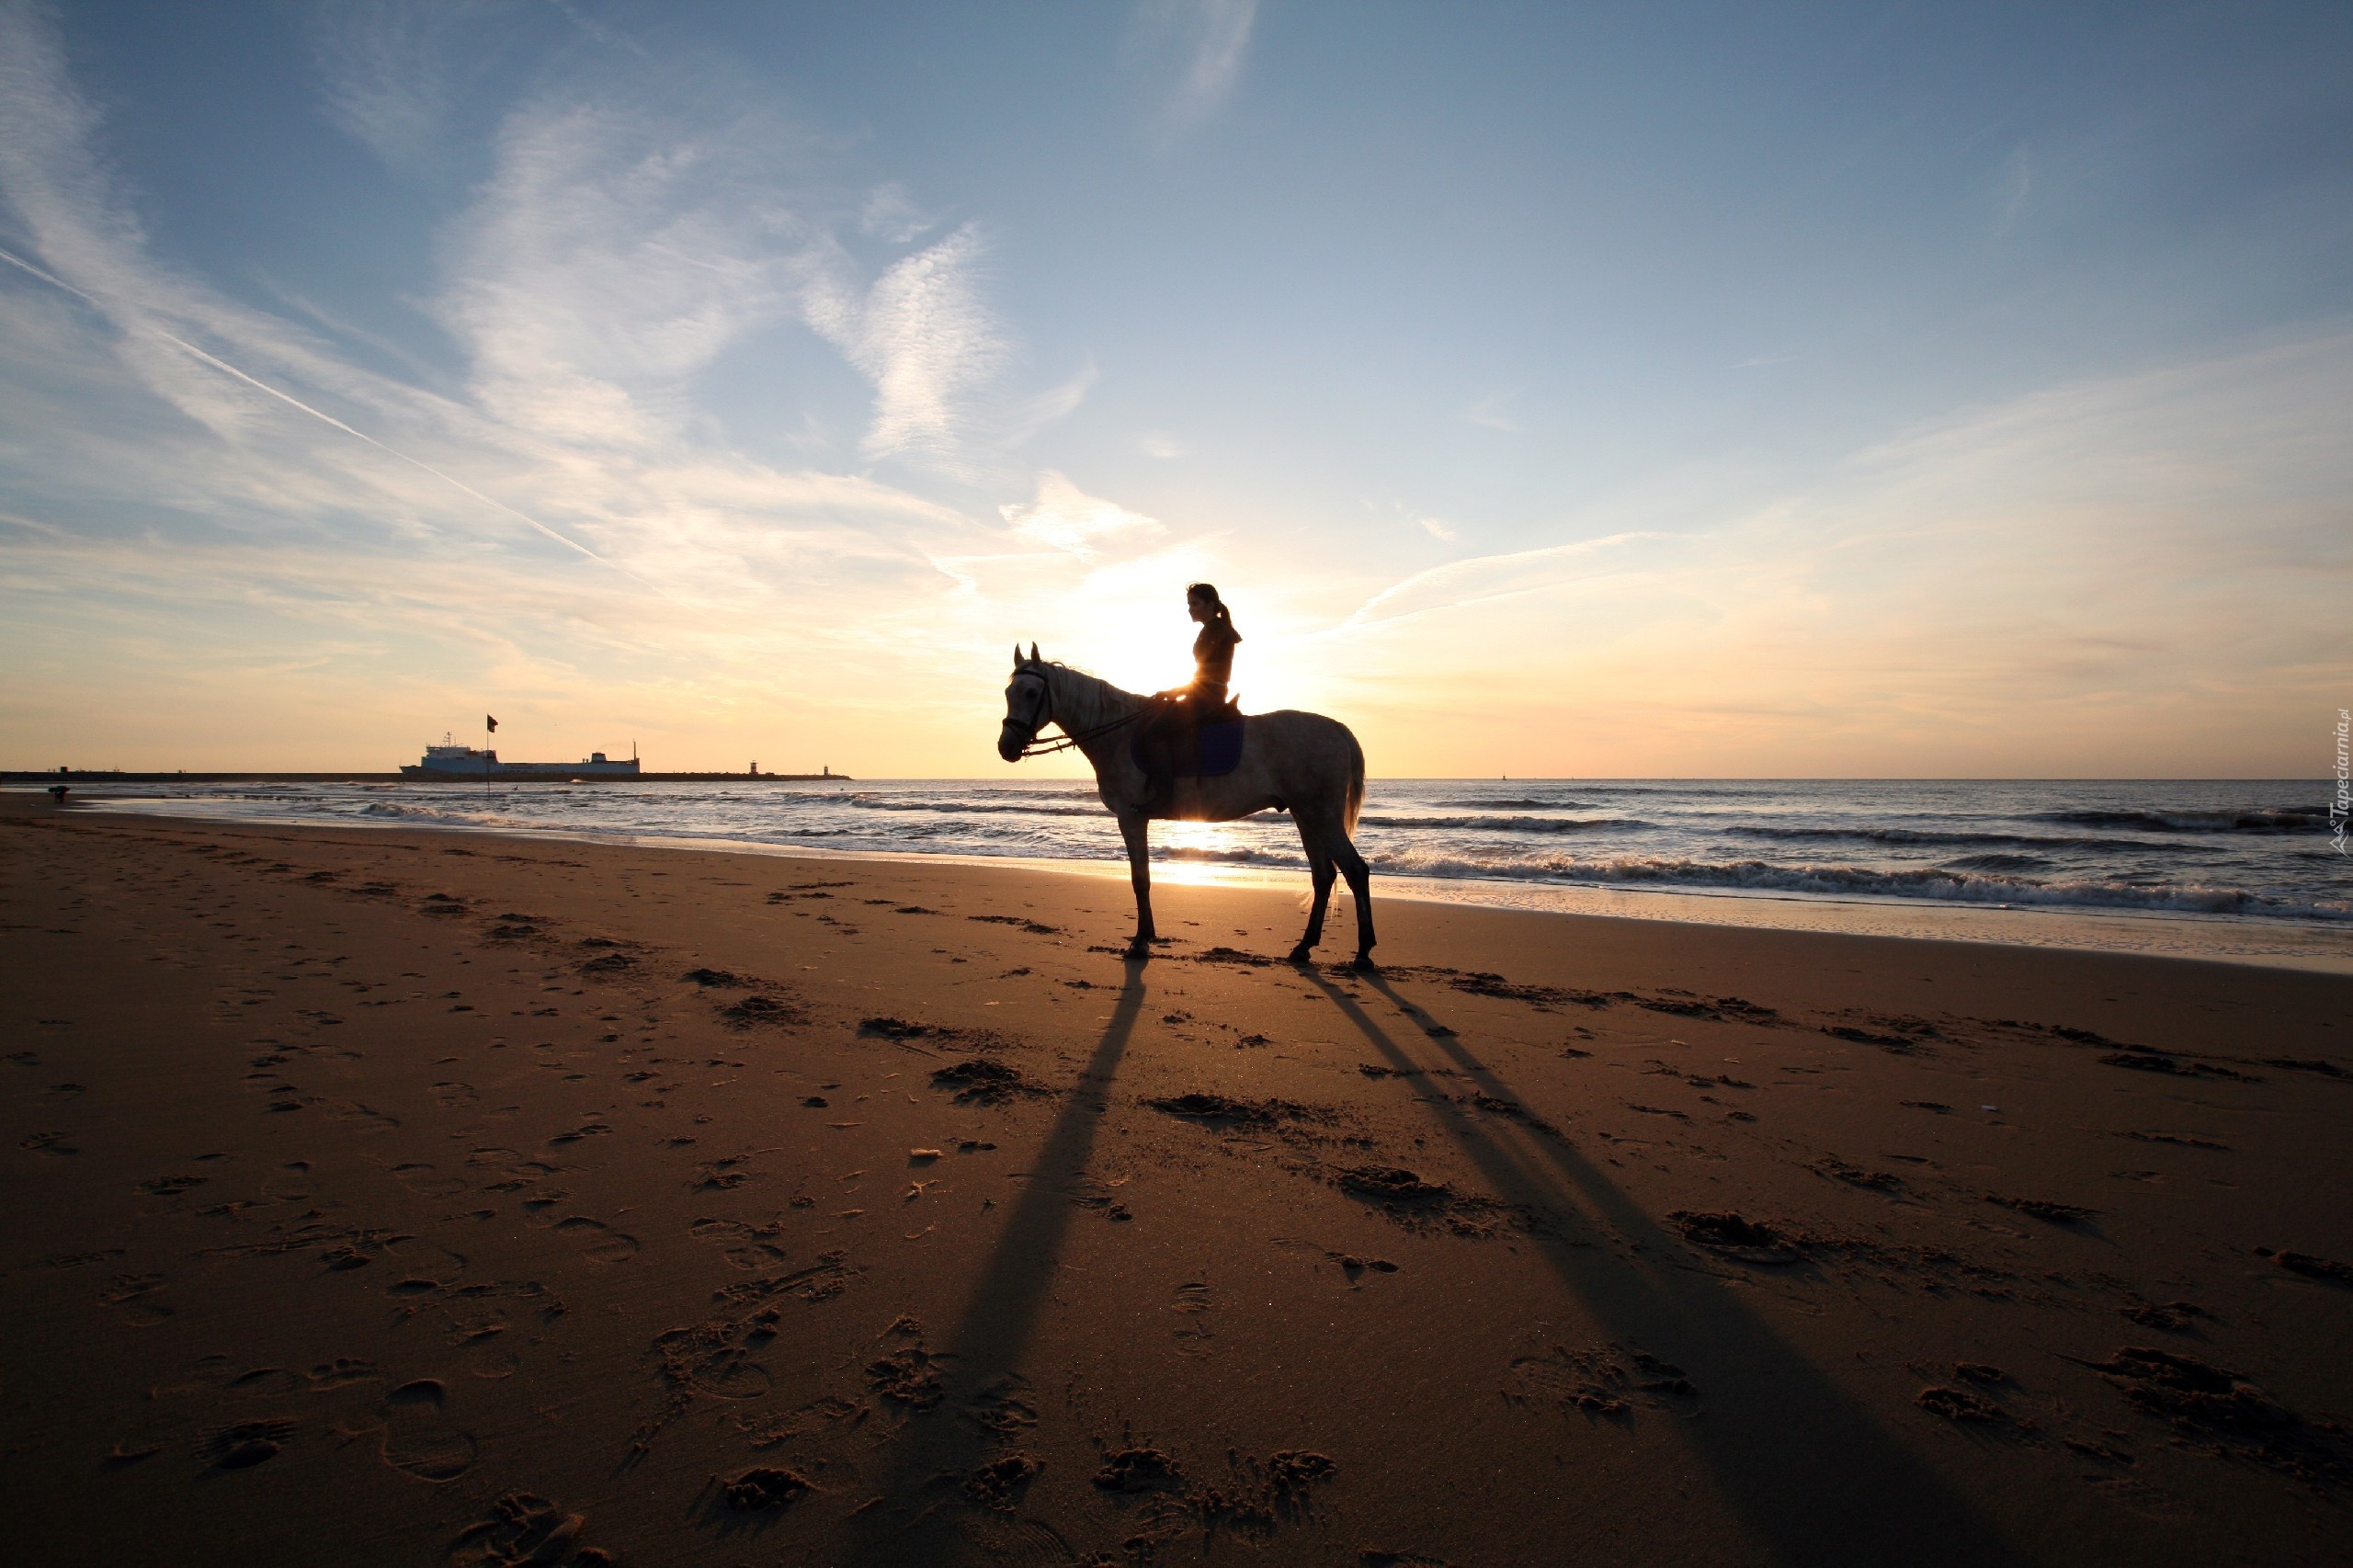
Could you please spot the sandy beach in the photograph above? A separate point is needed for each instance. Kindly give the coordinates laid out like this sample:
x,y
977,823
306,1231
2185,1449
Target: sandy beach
x,y
406,1198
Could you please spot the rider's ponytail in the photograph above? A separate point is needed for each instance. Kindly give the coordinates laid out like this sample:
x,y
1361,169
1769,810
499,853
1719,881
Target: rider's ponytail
x,y
1209,591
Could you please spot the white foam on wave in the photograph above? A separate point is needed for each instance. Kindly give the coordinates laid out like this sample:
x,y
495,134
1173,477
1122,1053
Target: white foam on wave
x,y
1931,882
1506,825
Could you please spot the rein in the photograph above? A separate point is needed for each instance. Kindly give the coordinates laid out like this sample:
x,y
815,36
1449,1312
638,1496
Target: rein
x,y
1071,739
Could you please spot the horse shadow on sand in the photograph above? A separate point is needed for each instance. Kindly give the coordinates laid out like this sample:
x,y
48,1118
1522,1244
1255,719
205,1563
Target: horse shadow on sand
x,y
1813,1477
927,1518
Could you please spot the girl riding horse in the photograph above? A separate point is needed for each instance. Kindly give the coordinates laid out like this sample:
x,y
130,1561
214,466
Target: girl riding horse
x,y
1179,713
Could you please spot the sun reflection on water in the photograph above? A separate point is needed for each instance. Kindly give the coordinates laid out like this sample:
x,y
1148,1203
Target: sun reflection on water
x,y
1197,852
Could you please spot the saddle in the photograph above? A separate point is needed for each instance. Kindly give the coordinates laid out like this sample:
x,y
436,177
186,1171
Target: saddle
x,y
1213,750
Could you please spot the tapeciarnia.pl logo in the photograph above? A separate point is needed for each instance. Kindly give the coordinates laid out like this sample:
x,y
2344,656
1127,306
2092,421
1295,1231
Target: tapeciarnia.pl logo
x,y
2341,807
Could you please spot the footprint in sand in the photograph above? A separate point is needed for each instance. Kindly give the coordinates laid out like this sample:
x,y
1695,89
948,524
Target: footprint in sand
x,y
265,1382
1001,1407
1192,1301
292,1183
419,1178
246,1444
135,1295
418,1439
342,1372
522,1527
364,1118
754,1250
488,1360
603,1243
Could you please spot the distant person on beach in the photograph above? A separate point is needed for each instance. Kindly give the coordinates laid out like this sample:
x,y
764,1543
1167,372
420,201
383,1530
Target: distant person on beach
x,y
1178,713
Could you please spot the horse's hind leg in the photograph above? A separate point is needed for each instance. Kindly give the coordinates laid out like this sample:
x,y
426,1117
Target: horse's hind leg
x,y
1320,871
1316,839
1352,867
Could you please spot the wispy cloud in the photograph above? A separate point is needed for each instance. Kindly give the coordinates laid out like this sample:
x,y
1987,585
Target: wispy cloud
x,y
1460,584
890,215
617,252
1065,518
327,419
1025,418
85,232
603,32
389,73
1197,48
2016,186
1492,413
1222,34
922,337
608,259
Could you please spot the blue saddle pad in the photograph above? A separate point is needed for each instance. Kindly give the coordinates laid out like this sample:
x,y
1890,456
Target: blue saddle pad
x,y
1220,749
1217,751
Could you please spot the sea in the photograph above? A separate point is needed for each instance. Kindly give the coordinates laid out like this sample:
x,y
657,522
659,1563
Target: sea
x,y
2244,870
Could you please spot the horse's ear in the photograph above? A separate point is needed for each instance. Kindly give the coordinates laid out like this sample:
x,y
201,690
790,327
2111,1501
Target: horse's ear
x,y
1017,655
1033,653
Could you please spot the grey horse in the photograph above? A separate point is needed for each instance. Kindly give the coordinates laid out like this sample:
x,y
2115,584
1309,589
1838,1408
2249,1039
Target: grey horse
x,y
1302,763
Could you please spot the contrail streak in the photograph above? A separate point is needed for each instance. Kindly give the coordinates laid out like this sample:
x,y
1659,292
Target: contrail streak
x,y
227,368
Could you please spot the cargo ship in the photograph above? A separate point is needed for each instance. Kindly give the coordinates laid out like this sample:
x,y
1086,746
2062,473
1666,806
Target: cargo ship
x,y
447,761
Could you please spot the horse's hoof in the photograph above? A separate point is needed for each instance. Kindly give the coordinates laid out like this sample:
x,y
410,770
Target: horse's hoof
x,y
1362,964
1303,954
1139,948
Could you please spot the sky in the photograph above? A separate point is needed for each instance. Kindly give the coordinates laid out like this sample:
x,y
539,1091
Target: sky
x,y
1573,390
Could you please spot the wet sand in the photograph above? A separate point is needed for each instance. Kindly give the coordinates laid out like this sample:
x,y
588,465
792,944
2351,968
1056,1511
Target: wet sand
x,y
402,1198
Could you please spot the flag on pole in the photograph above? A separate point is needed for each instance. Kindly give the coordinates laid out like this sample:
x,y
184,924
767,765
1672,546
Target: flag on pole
x,y
491,723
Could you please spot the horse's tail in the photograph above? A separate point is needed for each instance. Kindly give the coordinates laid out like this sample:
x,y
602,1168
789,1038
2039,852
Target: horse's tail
x,y
1355,779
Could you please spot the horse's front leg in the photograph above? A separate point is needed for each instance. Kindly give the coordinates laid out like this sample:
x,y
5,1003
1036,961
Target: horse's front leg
x,y
1135,827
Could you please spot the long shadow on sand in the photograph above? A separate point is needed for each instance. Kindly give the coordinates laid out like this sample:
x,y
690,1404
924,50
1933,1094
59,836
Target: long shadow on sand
x,y
925,1519
1816,1478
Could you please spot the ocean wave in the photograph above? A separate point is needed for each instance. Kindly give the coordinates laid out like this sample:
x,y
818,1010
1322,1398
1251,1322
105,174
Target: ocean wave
x,y
970,808
1941,885
1508,825
2279,819
1243,856
1702,789
438,814
1930,837
1997,861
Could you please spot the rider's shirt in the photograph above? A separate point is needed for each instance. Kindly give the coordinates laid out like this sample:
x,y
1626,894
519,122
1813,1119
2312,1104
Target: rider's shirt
x,y
1213,658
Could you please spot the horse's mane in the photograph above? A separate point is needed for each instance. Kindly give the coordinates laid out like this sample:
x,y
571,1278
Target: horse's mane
x,y
1104,693
1080,670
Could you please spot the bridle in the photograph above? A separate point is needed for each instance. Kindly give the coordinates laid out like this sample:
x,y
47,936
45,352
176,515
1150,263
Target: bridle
x,y
1071,739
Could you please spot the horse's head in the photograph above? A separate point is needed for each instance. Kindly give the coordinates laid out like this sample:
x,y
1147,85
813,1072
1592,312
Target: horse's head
x,y
1028,704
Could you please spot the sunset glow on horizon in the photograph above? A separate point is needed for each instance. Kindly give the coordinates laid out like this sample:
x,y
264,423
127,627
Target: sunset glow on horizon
x,y
1548,393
